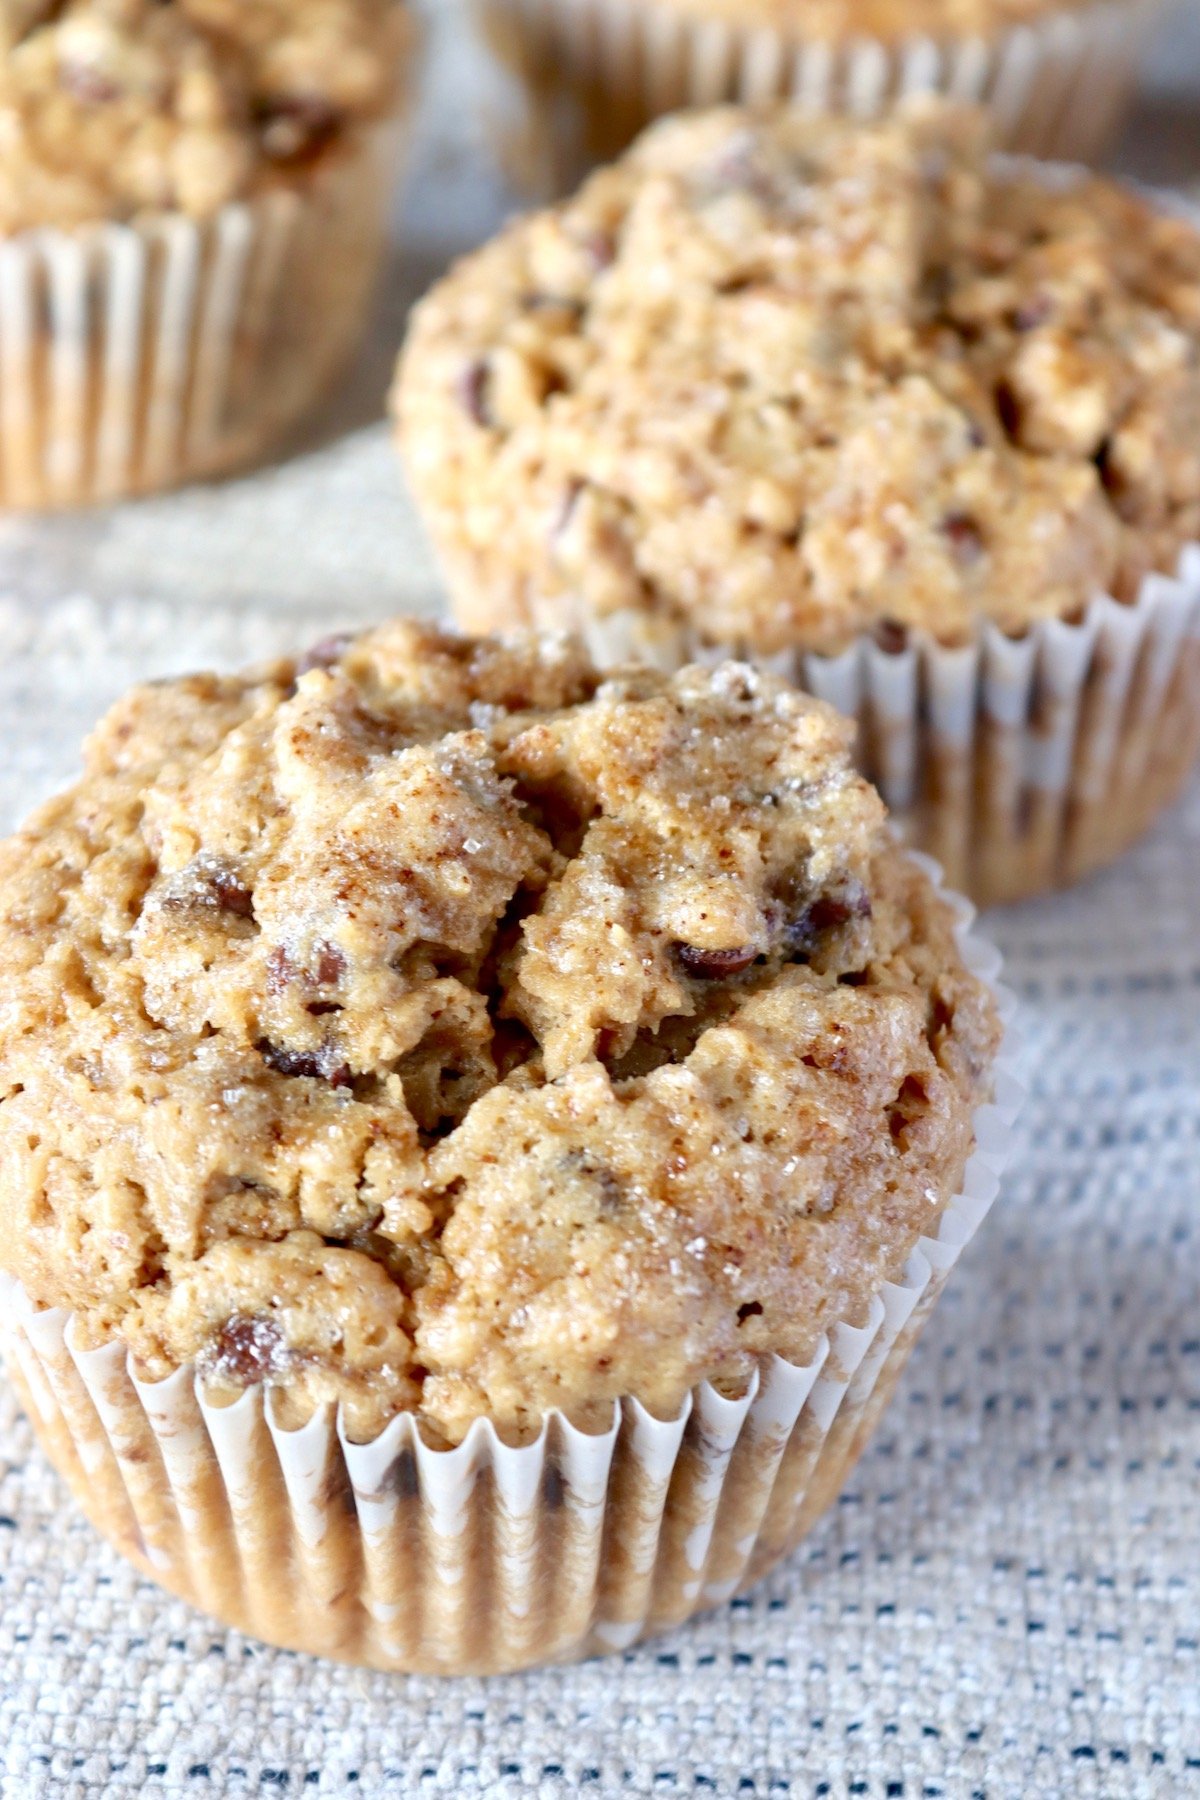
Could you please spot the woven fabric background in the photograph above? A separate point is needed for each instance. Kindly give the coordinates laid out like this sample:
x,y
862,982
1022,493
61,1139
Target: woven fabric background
x,y
1005,1605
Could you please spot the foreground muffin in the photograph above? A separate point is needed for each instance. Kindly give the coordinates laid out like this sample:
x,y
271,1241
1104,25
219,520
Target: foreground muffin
x,y
1055,75
812,392
193,197
434,1030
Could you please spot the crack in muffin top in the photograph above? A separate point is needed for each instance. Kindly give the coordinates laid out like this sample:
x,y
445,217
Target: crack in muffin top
x,y
113,107
789,379
430,1024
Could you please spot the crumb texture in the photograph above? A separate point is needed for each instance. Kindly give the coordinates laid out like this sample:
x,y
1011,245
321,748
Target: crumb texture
x,y
787,380
112,107
429,1024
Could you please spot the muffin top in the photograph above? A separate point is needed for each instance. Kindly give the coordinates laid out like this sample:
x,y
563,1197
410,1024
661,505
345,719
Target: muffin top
x,y
785,379
430,1025
112,107
887,21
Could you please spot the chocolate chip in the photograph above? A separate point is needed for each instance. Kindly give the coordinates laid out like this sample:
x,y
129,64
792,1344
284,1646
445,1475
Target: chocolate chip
x,y
473,385
827,912
231,895
280,971
891,636
1008,409
326,652
966,539
601,249
87,84
315,1065
247,1349
738,164
331,964
715,965
608,1185
744,283
1103,459
750,1310
1033,312
209,882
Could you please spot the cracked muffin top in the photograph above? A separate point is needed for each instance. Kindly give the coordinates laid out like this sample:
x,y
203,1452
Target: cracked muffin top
x,y
432,1025
112,107
784,380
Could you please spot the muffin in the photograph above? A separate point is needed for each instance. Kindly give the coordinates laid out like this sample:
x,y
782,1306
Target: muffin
x,y
478,1138
193,205
1056,75
917,427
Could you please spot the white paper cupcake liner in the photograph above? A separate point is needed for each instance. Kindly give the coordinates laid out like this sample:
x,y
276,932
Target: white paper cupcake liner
x,y
485,1557
591,73
1021,764
137,356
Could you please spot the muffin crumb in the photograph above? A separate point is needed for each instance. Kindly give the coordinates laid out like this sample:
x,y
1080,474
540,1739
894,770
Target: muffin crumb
x,y
833,378
111,110
434,1024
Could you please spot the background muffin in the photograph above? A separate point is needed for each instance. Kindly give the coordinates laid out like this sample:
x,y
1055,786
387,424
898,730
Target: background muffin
x,y
434,1031
193,199
857,401
1056,75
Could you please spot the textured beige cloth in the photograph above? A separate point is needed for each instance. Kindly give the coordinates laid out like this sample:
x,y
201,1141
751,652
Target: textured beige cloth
x,y
1006,1603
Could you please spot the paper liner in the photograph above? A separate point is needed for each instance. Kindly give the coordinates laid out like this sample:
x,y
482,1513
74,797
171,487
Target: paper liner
x,y
592,73
485,1557
137,356
1021,764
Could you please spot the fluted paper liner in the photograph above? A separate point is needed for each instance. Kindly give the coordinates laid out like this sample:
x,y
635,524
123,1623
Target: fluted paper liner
x,y
137,356
593,72
1020,764
485,1557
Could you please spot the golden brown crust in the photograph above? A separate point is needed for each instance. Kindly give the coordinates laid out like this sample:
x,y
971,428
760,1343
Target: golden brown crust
x,y
783,379
431,1027
887,21
112,107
